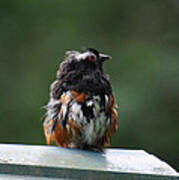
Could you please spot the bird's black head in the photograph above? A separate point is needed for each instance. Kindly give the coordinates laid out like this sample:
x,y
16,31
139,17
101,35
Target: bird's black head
x,y
99,56
94,55
83,71
87,59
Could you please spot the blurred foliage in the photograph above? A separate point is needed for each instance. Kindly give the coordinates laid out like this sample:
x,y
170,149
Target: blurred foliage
x,y
142,37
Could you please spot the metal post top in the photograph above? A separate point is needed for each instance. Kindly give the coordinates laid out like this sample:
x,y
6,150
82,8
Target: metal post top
x,y
115,161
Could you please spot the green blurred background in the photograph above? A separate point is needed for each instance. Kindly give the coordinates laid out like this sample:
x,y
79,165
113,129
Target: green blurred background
x,y
142,37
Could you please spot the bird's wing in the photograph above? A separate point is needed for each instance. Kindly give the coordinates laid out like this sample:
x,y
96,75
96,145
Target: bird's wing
x,y
57,125
114,122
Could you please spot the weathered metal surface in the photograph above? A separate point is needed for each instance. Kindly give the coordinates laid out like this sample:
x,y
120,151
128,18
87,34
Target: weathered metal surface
x,y
55,162
17,177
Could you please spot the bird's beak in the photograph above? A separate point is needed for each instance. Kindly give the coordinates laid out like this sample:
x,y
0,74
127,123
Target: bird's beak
x,y
104,57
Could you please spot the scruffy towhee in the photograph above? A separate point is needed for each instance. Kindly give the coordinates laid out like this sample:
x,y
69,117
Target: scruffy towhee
x,y
81,112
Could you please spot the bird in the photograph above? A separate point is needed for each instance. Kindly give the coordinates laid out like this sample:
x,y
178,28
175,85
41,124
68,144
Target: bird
x,y
82,111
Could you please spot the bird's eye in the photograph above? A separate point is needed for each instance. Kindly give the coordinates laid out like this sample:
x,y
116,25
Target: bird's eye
x,y
91,58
